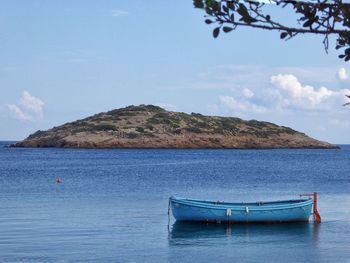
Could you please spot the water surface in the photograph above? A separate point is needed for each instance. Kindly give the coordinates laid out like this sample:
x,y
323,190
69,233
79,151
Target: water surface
x,y
112,205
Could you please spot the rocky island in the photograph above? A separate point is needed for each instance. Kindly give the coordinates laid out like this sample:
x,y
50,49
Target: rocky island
x,y
148,126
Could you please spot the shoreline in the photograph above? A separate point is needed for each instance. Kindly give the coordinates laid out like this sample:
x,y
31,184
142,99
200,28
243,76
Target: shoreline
x,y
336,147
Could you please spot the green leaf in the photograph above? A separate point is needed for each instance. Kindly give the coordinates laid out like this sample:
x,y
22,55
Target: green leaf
x,y
209,2
283,35
208,21
308,23
198,3
231,5
342,42
215,6
216,32
227,29
242,10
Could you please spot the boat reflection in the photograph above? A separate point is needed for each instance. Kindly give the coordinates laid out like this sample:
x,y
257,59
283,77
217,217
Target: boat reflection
x,y
182,233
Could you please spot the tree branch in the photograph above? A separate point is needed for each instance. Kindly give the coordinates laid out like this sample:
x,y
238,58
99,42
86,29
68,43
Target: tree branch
x,y
320,18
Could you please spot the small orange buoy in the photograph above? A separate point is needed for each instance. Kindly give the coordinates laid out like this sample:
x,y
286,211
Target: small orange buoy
x,y
59,181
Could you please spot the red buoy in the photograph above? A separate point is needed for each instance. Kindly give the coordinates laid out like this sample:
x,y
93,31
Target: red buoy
x,y
59,181
317,216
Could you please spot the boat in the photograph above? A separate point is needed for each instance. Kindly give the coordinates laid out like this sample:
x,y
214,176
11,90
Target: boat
x,y
297,210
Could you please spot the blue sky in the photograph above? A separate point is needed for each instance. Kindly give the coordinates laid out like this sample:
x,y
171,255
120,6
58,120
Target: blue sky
x,y
64,60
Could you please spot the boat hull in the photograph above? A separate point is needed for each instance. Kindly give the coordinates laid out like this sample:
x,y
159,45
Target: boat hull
x,y
221,212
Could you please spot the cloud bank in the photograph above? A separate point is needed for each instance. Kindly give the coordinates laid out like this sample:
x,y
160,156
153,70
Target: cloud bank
x,y
293,94
28,108
18,113
286,92
234,104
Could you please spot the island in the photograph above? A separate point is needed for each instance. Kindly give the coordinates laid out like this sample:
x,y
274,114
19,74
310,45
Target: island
x,y
149,126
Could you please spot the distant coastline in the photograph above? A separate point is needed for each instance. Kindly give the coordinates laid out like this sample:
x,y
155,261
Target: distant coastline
x,y
148,126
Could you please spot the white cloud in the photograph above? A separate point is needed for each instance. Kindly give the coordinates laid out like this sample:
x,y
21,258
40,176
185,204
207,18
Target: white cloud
x,y
18,113
231,103
287,94
248,93
167,106
295,95
342,74
32,103
234,76
28,108
118,12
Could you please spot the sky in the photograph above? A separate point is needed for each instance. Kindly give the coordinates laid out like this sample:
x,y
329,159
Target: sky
x,y
65,60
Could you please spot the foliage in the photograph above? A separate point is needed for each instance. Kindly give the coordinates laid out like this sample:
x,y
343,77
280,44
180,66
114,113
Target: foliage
x,y
163,118
149,127
140,129
197,115
193,129
321,17
104,127
257,124
36,134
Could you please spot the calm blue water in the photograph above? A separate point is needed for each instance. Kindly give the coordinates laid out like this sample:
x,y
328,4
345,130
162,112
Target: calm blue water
x,y
112,205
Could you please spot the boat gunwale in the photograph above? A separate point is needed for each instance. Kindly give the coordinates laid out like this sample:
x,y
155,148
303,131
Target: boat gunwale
x,y
242,206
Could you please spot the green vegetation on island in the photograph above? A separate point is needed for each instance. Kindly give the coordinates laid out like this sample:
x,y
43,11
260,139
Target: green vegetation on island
x,y
149,126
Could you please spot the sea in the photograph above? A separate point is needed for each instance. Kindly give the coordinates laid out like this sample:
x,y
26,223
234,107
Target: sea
x,y
112,204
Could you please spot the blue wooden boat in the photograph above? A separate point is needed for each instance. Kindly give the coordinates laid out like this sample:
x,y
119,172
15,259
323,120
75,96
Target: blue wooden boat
x,y
298,210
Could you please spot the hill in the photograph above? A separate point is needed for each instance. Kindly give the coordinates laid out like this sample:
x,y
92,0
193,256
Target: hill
x,y
148,126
